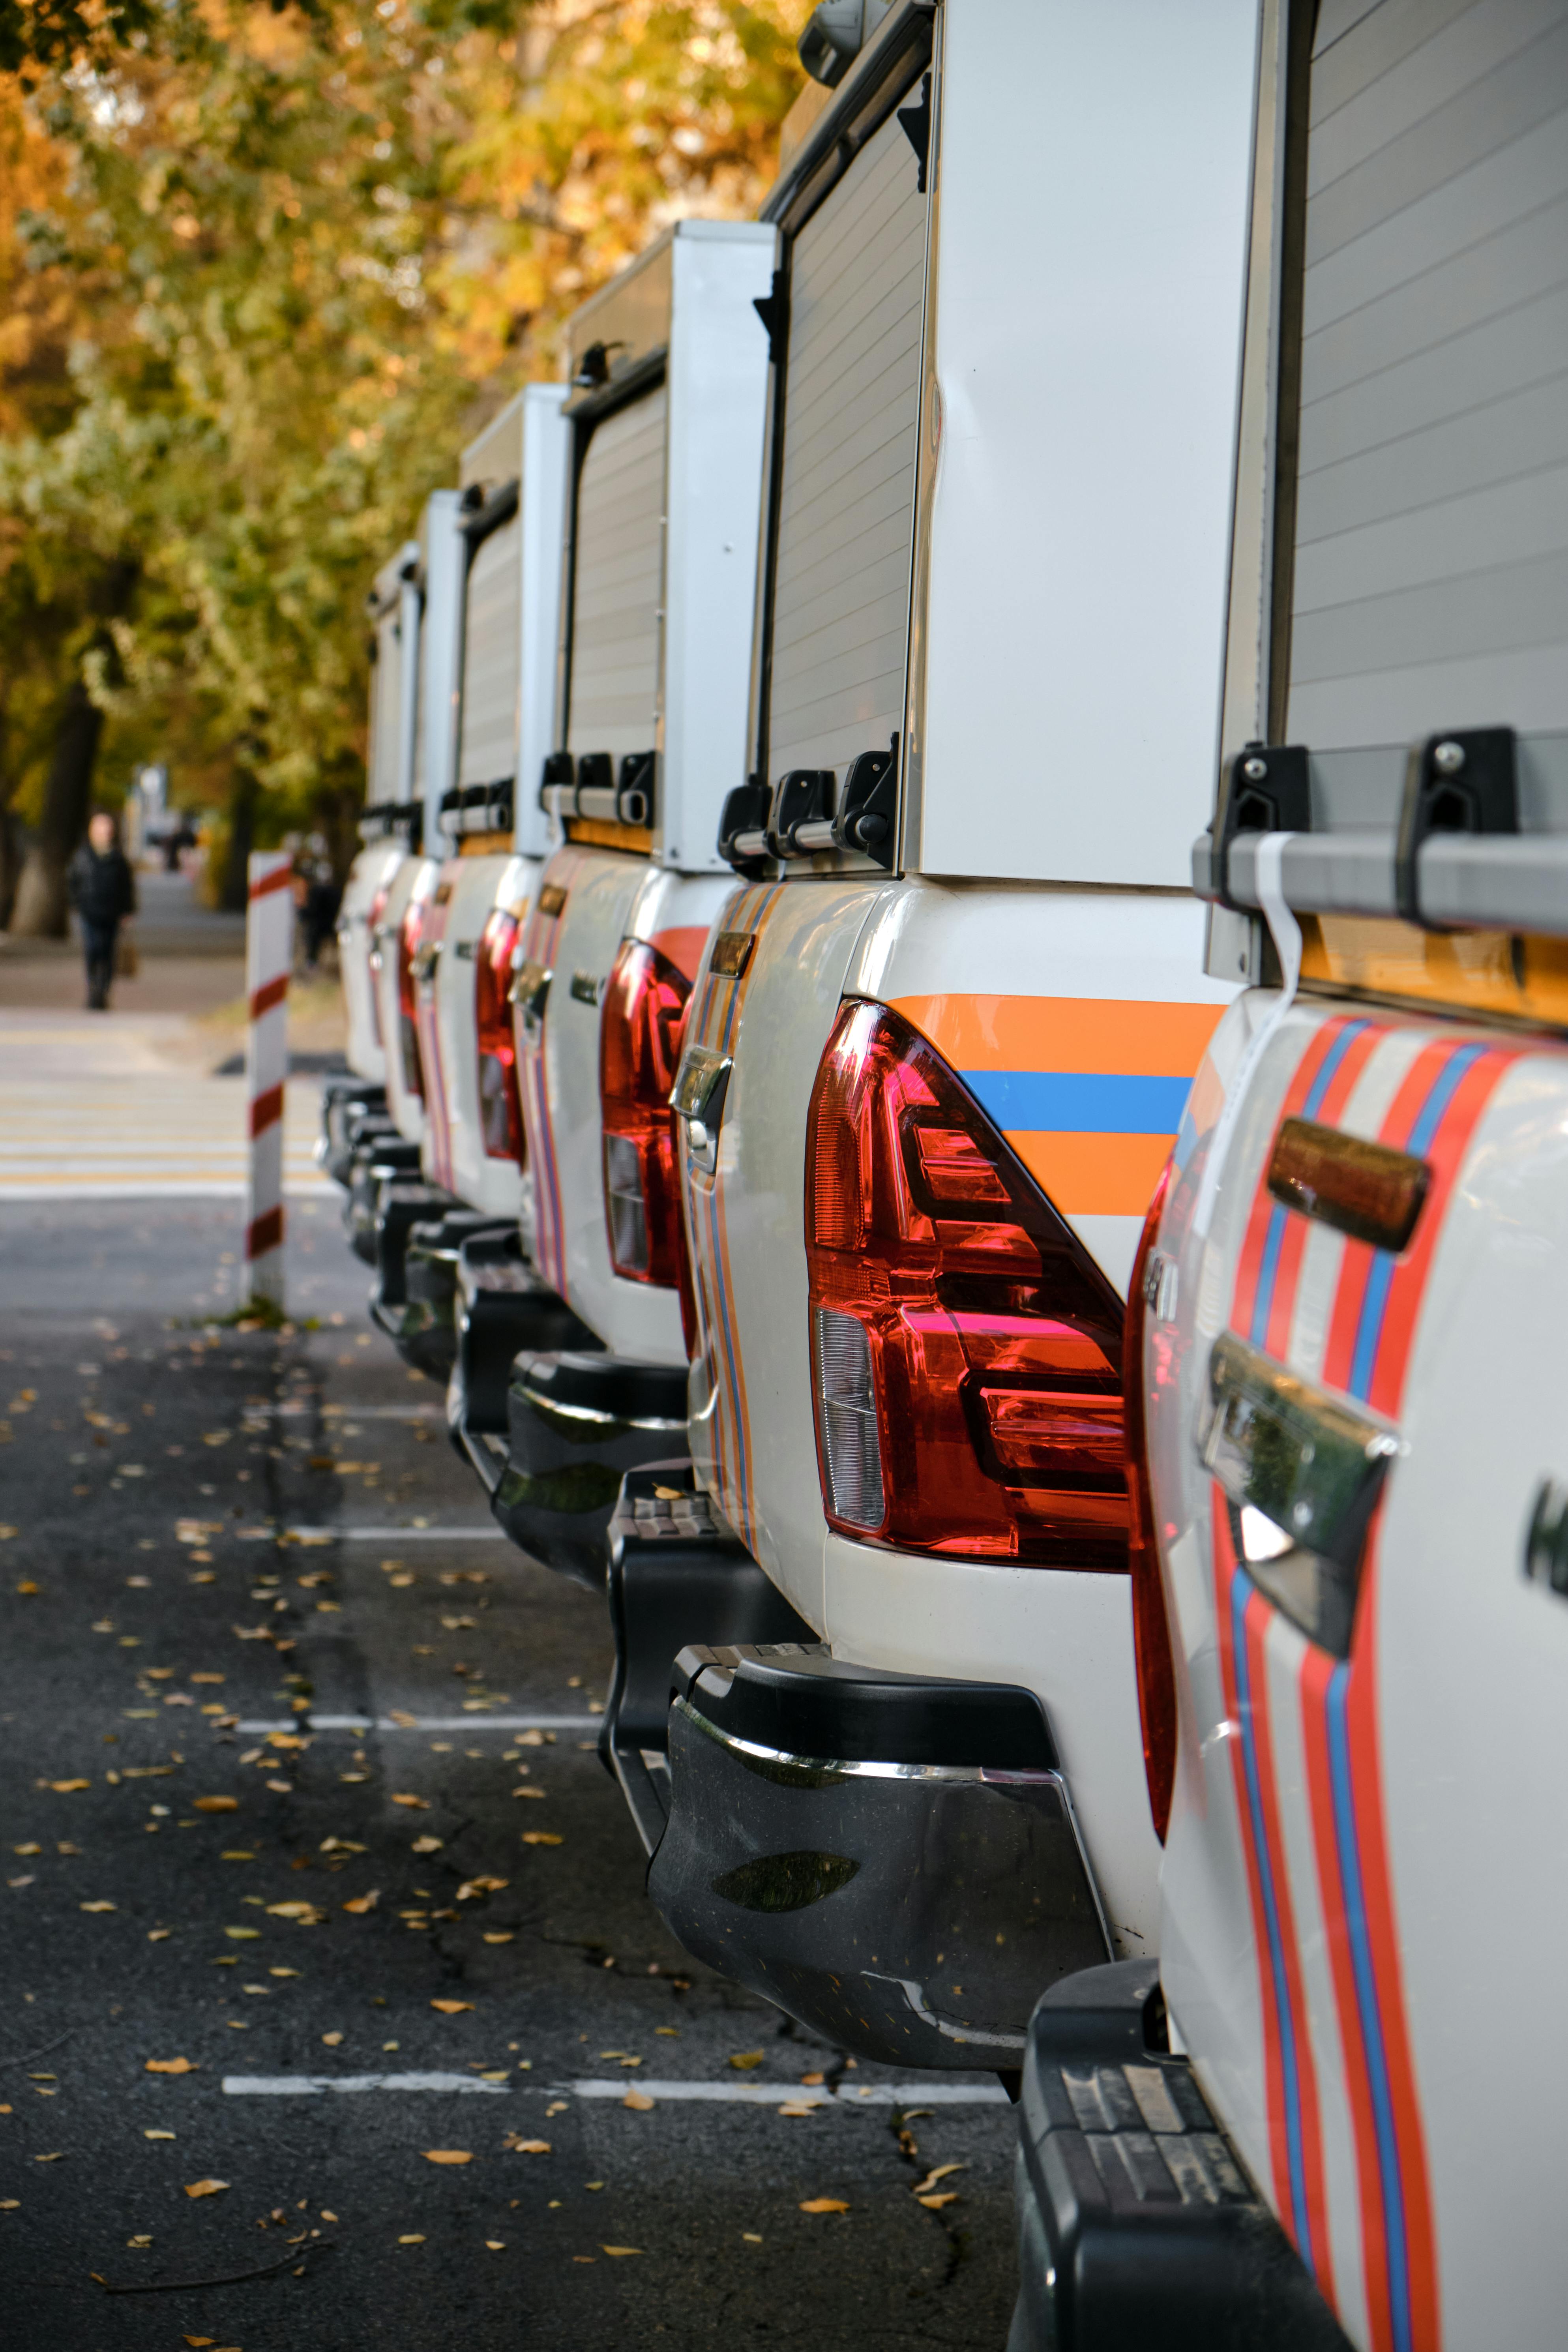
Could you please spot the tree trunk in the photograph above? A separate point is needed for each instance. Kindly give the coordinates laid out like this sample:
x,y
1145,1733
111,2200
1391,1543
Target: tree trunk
x,y
233,898
40,909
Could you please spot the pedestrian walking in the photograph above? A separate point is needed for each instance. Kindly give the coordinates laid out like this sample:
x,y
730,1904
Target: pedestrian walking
x,y
103,891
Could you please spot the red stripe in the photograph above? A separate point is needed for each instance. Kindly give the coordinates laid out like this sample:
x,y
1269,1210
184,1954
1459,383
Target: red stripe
x,y
1258,1616
278,879
265,1233
1273,2059
1249,1265
1293,1247
265,1111
270,992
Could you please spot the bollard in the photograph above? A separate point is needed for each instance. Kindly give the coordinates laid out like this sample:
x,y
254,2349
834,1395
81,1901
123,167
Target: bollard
x,y
268,954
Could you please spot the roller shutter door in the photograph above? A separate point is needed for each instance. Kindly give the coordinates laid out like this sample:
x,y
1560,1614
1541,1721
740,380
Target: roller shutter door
x,y
386,707
1431,559
841,579
616,583
492,656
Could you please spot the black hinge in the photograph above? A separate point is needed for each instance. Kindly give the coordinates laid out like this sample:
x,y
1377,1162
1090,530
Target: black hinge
x,y
772,309
1463,782
916,123
1265,789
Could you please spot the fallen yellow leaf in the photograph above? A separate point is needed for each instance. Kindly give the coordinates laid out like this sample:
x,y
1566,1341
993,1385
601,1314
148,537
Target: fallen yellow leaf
x,y
95,1907
542,1837
63,1787
476,1887
500,1935
159,1935
934,2204
420,1804
451,2007
171,2066
206,1678
243,1935
305,1911
798,2107
332,2040
363,1902
527,2147
639,2101
157,2135
823,2205
744,2061
529,1792
415,2239
205,2187
495,2245
938,2172
448,2155
616,2252
216,1804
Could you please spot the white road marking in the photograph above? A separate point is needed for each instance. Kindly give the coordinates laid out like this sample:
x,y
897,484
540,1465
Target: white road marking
x,y
87,1134
932,2092
492,1534
302,2086
428,1723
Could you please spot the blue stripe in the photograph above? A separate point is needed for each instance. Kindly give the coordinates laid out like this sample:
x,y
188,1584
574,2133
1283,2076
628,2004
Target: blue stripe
x,y
1380,1281
1079,1102
1391,2183
1275,1239
1241,1588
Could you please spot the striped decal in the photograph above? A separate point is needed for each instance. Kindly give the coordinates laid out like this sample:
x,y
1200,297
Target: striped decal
x,y
1376,1303
438,1147
1088,1091
541,932
717,1022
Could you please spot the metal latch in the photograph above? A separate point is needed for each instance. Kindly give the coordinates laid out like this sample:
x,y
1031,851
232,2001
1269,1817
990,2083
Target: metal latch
x,y
585,987
1302,1472
528,993
702,1087
425,959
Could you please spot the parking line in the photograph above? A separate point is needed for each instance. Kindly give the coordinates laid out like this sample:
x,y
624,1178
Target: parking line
x,y
931,2094
301,2086
490,1534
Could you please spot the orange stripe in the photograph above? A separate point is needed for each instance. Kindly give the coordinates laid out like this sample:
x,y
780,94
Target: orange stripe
x,y
1116,1034
1095,1175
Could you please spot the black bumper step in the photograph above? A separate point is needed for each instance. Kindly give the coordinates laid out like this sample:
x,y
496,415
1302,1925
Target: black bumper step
x,y
576,1423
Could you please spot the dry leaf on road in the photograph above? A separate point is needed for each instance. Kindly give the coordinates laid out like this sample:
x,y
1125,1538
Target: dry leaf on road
x,y
934,2204
525,2147
451,2007
216,1804
205,2187
938,2172
744,2061
616,2252
823,2205
63,1787
419,1804
363,1902
426,1845
542,1837
95,1907
448,2155
171,2066
638,2102
476,1887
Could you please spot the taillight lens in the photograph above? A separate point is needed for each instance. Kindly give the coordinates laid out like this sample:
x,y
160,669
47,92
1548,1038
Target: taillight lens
x,y
639,1050
1151,1628
966,1350
500,1108
407,949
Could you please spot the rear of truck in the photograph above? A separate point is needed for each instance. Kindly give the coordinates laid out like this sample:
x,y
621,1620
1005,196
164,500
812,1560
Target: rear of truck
x,y
1352,1560
666,417
947,1024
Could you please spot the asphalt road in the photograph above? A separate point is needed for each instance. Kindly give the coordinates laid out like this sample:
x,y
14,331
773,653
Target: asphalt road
x,y
195,1908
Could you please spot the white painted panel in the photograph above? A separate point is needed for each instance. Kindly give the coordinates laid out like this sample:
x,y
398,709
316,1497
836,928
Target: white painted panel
x,y
386,707
493,649
841,583
614,692
1087,343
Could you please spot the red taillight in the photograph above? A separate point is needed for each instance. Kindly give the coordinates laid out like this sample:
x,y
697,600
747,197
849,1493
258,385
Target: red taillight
x,y
966,1348
1151,1630
639,1050
407,949
500,1110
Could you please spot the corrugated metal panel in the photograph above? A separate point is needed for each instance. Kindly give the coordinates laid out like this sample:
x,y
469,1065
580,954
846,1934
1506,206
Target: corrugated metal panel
x,y
492,656
618,584
385,708
841,582
1431,580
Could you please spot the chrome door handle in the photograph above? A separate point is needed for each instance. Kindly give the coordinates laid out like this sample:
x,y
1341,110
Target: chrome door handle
x,y
698,1095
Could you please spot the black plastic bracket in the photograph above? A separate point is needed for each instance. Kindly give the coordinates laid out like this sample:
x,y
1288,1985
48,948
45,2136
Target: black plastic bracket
x,y
1265,789
804,796
772,309
634,795
868,813
596,773
745,810
915,123
1462,781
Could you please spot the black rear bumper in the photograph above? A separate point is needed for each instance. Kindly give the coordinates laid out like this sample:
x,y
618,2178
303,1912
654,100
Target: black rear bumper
x,y
377,1161
420,1259
576,1423
1137,2229
890,1858
676,1576
501,1311
349,1105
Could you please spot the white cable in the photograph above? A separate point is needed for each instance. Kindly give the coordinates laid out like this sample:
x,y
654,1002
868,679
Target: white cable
x,y
1286,932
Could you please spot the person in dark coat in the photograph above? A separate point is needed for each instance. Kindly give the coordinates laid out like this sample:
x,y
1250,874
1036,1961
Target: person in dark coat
x,y
103,891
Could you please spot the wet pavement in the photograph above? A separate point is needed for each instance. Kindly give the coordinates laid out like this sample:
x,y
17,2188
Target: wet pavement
x,y
332,2013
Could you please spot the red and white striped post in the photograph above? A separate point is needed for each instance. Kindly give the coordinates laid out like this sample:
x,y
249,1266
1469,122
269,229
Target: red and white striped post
x,y
269,956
